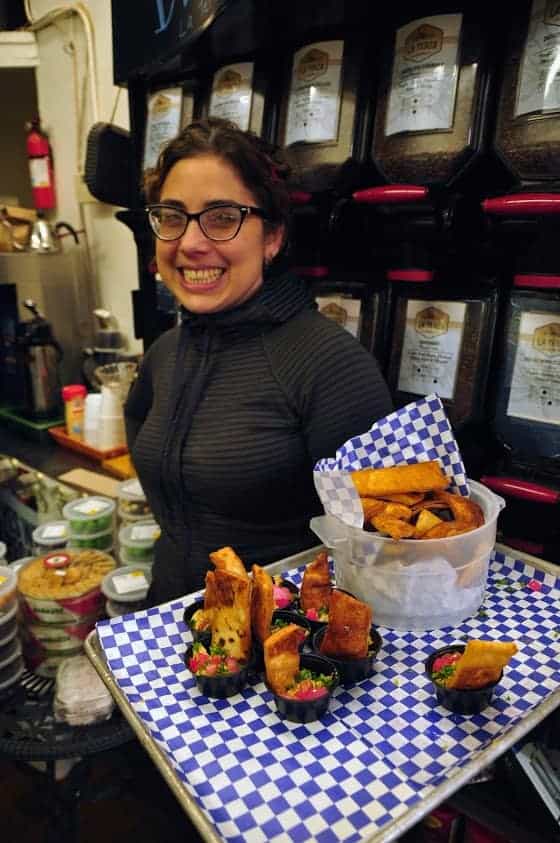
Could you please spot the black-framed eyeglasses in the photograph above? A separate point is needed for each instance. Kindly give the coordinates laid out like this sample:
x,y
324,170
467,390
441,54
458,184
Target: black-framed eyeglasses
x,y
219,222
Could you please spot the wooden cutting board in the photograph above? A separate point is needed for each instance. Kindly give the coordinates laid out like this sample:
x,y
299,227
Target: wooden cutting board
x,y
120,467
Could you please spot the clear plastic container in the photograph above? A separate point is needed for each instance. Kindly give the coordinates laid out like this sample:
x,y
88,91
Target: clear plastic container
x,y
127,584
8,593
415,584
132,500
3,550
8,625
137,540
91,515
52,535
11,668
100,541
115,610
126,560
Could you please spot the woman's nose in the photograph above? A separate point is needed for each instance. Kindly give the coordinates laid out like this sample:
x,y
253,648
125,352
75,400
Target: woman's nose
x,y
193,237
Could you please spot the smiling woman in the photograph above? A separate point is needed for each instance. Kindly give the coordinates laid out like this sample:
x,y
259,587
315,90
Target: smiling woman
x,y
233,407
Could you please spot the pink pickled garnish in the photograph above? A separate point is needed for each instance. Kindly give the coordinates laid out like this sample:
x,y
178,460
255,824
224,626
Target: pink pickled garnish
x,y
282,596
534,585
311,693
312,615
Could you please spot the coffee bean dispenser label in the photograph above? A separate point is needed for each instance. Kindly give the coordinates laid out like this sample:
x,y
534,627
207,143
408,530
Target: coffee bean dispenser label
x,y
539,77
344,310
424,80
315,93
232,93
535,383
431,347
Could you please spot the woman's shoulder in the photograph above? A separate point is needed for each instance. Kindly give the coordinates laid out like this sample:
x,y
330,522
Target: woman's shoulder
x,y
161,347
320,333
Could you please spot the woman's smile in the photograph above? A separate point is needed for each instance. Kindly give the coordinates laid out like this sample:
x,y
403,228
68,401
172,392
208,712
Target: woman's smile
x,y
206,277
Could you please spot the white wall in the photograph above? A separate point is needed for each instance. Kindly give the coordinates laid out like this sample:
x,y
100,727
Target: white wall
x,y
67,111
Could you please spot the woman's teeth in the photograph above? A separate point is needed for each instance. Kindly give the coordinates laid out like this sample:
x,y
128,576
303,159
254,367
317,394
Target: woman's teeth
x,y
201,276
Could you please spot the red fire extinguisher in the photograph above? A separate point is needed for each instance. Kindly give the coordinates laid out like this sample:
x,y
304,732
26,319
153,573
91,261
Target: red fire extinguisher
x,y
40,166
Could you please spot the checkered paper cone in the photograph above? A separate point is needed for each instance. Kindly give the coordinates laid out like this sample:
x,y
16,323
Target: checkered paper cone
x,y
418,432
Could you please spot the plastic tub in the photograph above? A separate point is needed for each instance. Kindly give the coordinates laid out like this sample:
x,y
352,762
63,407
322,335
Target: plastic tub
x,y
52,535
125,559
115,610
124,518
92,515
8,624
8,592
9,647
10,668
415,584
132,500
127,584
100,541
137,541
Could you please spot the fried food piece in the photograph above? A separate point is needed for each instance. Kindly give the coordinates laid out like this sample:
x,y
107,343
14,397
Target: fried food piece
x,y
316,587
463,509
393,527
231,616
262,603
226,559
408,498
428,503
371,507
347,633
426,520
448,529
481,663
281,657
398,510
417,477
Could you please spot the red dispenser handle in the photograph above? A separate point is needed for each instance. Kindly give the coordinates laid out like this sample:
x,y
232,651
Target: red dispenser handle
x,y
390,194
523,204
300,197
522,489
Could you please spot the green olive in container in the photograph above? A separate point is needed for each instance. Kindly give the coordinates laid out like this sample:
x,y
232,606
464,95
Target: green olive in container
x,y
136,541
132,501
90,516
99,541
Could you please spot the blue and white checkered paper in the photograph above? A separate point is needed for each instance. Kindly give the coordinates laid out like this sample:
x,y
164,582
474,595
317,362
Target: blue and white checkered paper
x,y
418,432
383,746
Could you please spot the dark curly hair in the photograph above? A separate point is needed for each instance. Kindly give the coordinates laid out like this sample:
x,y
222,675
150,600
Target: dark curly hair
x,y
257,164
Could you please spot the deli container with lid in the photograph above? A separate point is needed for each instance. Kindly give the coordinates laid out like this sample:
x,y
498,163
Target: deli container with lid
x,y
63,587
415,584
132,500
52,535
8,593
136,541
46,645
11,669
8,633
127,584
99,541
90,515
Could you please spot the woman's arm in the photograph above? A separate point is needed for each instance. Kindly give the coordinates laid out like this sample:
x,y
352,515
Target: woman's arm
x,y
138,403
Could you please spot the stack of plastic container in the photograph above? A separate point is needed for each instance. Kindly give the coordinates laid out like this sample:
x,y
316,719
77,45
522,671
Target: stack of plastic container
x,y
52,535
11,660
133,506
126,589
136,542
91,522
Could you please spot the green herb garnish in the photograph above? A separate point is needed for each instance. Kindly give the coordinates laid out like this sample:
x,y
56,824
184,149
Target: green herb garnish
x,y
441,676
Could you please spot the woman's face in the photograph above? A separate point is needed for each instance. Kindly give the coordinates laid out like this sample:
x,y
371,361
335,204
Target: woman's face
x,y
204,275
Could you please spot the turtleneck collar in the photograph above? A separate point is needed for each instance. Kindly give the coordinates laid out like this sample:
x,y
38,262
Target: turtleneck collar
x,y
277,300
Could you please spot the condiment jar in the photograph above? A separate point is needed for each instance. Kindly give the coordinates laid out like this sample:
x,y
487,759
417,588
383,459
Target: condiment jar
x,y
90,515
132,500
74,397
52,535
127,584
136,542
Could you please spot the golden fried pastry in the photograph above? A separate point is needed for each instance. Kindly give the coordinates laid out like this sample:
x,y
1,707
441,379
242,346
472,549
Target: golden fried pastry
x,y
481,663
393,527
347,633
231,615
262,603
408,498
226,559
371,507
398,510
417,477
281,657
425,521
463,508
316,588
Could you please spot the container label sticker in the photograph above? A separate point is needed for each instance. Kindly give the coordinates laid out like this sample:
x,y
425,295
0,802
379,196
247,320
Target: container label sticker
x,y
232,93
425,72
134,488
535,382
91,507
431,349
163,122
144,532
539,77
54,531
134,581
343,310
315,93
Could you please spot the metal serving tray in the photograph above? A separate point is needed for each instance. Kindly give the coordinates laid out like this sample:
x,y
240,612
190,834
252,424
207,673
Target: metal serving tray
x,y
406,782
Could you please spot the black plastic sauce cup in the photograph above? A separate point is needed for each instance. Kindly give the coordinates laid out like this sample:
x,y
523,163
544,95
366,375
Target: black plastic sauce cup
x,y
221,686
459,700
352,670
306,711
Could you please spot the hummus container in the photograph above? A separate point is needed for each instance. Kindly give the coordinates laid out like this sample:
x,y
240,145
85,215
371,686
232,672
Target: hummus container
x,y
64,586
132,500
415,584
136,541
127,584
99,541
90,516
52,535
8,592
